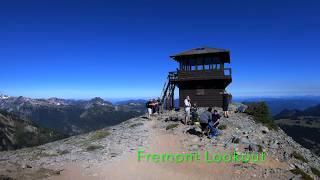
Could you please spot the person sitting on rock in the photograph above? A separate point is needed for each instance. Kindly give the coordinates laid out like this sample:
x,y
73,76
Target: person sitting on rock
x,y
212,125
215,118
205,118
212,130
207,124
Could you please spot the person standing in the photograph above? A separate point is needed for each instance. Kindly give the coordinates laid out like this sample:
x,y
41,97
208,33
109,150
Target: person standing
x,y
194,112
187,106
159,107
154,106
149,107
225,104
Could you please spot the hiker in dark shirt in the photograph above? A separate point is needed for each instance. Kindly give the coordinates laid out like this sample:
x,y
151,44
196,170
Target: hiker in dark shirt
x,y
154,106
213,125
215,118
225,103
194,113
209,121
159,106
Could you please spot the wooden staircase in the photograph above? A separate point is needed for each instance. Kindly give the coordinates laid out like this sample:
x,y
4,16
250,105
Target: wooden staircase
x,y
167,94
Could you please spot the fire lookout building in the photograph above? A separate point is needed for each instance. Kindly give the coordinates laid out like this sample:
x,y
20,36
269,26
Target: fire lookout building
x,y
202,75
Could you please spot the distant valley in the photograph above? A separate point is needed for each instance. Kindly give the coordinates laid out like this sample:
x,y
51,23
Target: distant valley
x,y
71,117
17,133
302,125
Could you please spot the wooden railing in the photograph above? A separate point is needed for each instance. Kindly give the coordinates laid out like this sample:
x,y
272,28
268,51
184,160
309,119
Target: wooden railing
x,y
227,71
173,76
205,74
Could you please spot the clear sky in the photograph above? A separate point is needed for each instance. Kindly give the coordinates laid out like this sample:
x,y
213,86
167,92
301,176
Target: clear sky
x,y
118,49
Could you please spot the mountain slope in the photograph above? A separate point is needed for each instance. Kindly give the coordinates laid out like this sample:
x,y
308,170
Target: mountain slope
x,y
302,125
70,116
112,151
16,133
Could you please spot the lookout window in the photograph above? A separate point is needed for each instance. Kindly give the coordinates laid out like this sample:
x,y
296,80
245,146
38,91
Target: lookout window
x,y
200,92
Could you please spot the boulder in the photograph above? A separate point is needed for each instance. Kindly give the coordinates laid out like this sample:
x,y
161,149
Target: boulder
x,y
194,147
244,140
264,129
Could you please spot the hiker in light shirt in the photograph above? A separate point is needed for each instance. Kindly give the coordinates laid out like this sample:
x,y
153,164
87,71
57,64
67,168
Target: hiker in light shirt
x,y
149,106
187,106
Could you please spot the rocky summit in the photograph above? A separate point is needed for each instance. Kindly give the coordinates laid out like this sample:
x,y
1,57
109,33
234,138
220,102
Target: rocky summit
x,y
111,153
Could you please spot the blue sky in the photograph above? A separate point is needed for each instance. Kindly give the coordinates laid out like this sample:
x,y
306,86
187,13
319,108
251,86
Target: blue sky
x,y
120,49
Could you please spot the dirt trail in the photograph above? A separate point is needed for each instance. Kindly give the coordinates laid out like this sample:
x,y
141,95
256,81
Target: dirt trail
x,y
160,142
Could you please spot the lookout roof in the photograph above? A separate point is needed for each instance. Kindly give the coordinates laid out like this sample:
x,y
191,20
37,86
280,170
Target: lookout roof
x,y
200,50
224,53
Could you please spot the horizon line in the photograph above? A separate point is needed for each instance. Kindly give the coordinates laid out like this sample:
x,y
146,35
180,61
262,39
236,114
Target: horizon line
x,y
146,98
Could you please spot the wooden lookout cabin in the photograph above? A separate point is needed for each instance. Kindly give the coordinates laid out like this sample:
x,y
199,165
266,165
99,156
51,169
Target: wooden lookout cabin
x,y
201,75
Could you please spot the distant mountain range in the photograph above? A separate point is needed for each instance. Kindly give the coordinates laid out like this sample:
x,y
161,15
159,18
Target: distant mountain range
x,y
276,105
298,116
296,113
132,101
17,133
71,116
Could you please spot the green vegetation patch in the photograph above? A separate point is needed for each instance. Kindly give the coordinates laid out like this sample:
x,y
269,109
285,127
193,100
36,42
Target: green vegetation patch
x,y
171,126
315,171
304,175
260,112
40,154
298,156
94,147
222,127
99,135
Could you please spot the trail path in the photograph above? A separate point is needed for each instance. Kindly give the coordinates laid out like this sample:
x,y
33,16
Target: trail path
x,y
161,142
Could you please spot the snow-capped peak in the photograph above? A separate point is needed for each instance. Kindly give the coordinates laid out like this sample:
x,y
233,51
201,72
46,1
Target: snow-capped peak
x,y
2,96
